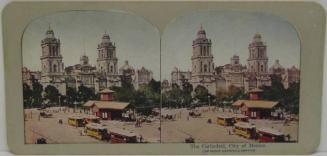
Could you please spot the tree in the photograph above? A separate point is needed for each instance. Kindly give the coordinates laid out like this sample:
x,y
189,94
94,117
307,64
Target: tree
x,y
27,95
124,93
37,93
288,98
152,92
71,95
174,96
201,93
293,98
275,92
155,86
52,94
85,94
221,95
187,89
235,93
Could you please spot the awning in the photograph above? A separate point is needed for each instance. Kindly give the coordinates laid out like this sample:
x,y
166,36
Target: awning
x,y
256,103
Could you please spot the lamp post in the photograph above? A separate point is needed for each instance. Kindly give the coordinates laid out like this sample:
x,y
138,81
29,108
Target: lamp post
x,y
75,105
59,102
209,101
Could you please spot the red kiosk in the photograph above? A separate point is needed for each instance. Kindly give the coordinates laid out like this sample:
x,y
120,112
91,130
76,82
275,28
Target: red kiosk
x,y
256,108
106,108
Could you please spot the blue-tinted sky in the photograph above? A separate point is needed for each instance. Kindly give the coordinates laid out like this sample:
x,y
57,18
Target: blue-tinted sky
x,y
136,40
230,32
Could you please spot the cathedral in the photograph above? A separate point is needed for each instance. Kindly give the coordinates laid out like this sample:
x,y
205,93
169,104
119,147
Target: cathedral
x,y
104,75
247,77
52,66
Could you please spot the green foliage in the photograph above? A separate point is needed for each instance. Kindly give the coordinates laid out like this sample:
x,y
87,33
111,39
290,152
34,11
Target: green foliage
x,y
124,93
37,93
234,93
173,97
221,95
293,98
274,92
187,99
145,97
71,95
152,92
201,93
27,95
52,94
288,98
84,94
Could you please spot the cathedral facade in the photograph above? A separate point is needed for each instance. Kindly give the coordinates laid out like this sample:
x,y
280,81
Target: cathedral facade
x,y
104,75
254,74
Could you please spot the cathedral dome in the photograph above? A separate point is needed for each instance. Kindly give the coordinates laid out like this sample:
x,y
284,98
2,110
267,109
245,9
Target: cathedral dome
x,y
277,65
106,38
50,33
84,60
201,33
126,67
257,37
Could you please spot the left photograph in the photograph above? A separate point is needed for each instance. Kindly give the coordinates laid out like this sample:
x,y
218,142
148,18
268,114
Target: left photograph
x,y
91,77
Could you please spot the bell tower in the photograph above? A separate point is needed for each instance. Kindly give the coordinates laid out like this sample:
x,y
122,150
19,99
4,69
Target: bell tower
x,y
52,66
202,61
107,60
258,60
51,58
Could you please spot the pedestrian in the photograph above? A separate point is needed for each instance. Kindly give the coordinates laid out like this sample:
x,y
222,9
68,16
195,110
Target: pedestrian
x,y
288,136
81,132
39,117
141,139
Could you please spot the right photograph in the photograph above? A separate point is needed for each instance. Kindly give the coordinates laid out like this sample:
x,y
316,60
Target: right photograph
x,y
229,76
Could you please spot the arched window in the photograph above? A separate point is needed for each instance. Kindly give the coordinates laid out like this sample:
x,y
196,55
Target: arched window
x,y
54,51
50,51
110,54
201,66
50,65
111,69
205,68
205,50
261,68
54,68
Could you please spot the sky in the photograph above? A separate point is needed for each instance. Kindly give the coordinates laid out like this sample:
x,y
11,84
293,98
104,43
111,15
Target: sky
x,y
230,33
138,41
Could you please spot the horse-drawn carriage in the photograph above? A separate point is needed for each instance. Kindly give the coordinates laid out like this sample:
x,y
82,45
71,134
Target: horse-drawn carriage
x,y
194,114
45,114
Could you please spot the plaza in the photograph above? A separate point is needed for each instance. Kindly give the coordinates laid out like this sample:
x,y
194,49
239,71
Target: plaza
x,y
174,130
